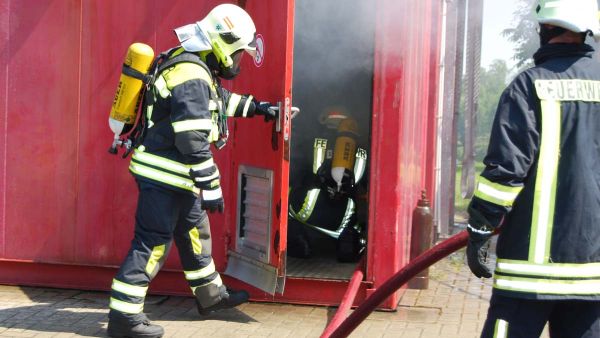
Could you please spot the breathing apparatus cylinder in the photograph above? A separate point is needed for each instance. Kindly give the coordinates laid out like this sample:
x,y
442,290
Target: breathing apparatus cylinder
x,y
344,151
124,109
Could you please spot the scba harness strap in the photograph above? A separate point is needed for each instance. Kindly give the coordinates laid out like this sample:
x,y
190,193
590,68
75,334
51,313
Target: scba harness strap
x,y
160,63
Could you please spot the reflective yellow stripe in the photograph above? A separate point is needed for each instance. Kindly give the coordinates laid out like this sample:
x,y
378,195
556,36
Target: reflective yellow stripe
x,y
201,273
496,193
213,105
568,90
163,177
545,185
583,270
128,289
247,105
125,307
548,286
217,281
309,204
183,72
501,329
195,239
157,253
187,125
234,102
319,153
161,162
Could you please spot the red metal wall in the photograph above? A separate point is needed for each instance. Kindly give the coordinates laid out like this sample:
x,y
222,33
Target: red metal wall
x,y
403,129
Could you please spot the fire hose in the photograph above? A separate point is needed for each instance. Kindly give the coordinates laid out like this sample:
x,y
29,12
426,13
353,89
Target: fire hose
x,y
421,262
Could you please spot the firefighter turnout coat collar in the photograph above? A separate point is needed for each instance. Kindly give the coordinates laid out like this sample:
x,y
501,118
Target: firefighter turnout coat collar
x,y
543,175
186,113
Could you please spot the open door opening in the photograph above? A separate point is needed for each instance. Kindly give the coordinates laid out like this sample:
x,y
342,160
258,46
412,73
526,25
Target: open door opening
x,y
330,147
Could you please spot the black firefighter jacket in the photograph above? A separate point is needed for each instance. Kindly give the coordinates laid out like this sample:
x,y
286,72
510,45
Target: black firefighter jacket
x,y
542,176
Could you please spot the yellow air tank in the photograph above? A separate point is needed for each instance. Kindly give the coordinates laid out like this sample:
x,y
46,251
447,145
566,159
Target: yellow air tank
x,y
344,151
125,105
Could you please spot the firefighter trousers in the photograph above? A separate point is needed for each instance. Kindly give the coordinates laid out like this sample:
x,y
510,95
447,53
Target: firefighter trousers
x,y
510,317
164,215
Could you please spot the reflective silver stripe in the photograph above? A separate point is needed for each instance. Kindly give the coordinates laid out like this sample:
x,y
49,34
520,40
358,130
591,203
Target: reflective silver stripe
x,y
330,233
309,204
360,164
199,124
125,307
479,231
162,162
217,281
163,177
347,215
202,273
211,195
161,87
545,185
496,193
583,270
568,90
207,178
501,329
232,104
149,110
320,146
548,286
128,289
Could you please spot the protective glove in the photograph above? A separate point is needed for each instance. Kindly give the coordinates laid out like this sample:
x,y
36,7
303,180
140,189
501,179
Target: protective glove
x,y
480,233
208,180
264,109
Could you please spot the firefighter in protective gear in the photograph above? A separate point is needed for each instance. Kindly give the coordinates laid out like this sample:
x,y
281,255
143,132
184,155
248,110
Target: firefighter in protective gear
x,y
184,113
326,200
540,186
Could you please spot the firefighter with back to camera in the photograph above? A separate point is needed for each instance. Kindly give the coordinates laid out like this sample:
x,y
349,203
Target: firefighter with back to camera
x,y
541,186
185,110
326,200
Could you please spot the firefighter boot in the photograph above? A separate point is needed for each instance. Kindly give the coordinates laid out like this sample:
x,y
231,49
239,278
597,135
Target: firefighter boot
x,y
121,326
228,299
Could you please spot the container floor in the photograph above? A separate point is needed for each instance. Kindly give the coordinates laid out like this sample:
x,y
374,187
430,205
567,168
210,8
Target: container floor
x,y
321,267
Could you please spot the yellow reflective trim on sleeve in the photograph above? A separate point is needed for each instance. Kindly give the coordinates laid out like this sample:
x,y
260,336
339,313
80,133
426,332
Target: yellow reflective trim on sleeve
x,y
309,204
163,177
545,183
201,273
232,104
548,286
183,72
501,329
568,90
567,270
195,240
496,193
125,307
128,289
247,105
204,165
157,253
187,125
176,167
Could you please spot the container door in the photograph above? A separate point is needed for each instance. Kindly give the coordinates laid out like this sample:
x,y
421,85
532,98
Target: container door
x,y
260,153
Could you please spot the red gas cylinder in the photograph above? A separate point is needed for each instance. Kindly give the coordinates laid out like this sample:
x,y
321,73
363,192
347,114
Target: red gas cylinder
x,y
420,239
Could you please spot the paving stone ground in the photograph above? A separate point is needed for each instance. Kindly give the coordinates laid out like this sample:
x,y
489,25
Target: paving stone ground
x,y
454,305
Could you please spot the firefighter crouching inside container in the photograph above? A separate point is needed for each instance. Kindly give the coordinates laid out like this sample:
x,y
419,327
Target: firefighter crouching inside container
x,y
326,201
541,186
185,112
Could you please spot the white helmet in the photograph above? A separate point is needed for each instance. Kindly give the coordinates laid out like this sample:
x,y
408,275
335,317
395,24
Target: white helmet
x,y
225,30
574,15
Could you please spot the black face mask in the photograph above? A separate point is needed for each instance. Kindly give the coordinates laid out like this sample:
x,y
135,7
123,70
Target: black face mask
x,y
547,34
227,73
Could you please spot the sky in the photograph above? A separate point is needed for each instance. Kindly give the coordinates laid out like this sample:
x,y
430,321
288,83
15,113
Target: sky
x,y
497,16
